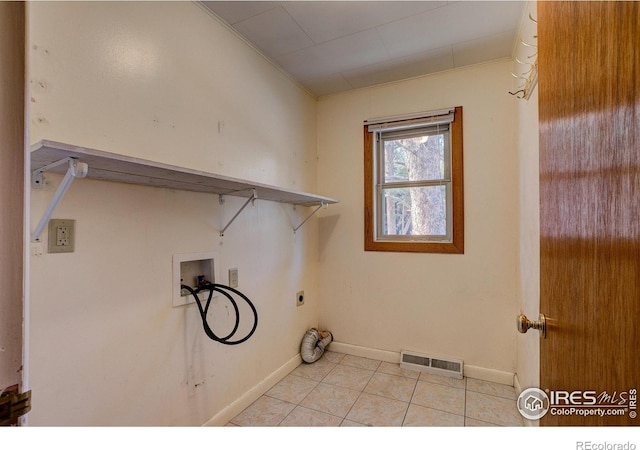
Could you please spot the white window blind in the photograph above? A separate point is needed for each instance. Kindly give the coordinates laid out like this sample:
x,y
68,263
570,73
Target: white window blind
x,y
408,121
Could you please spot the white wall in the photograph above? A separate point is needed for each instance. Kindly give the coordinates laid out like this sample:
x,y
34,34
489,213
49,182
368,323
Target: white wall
x,y
528,367
167,82
528,348
460,306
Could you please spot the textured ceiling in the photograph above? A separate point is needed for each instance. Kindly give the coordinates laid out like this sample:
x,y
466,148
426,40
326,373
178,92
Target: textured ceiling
x,y
333,46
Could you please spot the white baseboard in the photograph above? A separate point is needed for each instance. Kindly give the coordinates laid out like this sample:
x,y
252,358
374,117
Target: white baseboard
x,y
235,408
365,352
516,384
480,373
518,387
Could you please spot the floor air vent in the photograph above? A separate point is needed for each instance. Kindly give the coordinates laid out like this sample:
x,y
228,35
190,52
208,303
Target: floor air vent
x,y
438,366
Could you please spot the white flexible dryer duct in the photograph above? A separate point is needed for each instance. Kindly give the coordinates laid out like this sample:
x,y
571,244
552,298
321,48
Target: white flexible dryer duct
x,y
313,344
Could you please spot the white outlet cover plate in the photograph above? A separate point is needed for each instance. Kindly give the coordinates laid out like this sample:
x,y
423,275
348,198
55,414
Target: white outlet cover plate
x,y
233,277
55,225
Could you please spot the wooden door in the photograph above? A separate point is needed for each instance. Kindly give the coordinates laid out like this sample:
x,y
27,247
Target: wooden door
x,y
12,85
589,99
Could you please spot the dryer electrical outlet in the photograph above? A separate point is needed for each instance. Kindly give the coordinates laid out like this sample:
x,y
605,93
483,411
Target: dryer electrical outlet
x,y
62,236
233,277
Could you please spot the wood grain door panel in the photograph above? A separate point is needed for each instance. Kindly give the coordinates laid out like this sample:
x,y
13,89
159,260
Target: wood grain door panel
x,y
589,100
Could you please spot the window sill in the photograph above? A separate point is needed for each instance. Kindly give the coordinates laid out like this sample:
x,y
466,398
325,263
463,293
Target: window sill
x,y
413,247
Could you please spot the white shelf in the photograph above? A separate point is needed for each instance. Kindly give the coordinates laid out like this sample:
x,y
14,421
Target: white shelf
x,y
124,169
59,157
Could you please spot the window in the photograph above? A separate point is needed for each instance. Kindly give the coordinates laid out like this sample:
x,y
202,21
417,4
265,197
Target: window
x,y
413,183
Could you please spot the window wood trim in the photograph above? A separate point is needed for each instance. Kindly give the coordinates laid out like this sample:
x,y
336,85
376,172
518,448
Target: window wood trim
x,y
456,246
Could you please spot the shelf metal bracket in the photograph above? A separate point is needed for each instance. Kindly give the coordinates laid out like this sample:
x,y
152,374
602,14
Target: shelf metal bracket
x,y
251,200
76,170
322,205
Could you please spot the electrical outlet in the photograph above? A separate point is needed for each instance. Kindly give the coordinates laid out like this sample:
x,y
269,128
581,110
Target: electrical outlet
x,y
300,298
233,277
61,236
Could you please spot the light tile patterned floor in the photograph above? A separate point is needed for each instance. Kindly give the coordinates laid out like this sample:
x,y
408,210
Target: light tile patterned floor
x,y
345,390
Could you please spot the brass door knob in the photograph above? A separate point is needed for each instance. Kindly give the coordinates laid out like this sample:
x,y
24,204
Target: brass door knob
x,y
525,324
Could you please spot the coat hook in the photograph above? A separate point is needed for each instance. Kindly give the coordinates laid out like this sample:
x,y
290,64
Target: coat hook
x,y
527,45
521,91
533,64
528,71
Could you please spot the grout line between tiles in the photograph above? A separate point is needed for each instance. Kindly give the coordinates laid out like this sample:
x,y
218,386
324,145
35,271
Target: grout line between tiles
x,y
415,386
348,412
464,422
360,392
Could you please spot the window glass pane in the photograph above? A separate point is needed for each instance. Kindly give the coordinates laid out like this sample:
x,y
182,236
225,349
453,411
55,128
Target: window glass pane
x,y
419,211
416,158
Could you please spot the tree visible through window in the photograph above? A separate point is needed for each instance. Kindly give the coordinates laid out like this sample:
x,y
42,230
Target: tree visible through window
x,y
415,210
414,184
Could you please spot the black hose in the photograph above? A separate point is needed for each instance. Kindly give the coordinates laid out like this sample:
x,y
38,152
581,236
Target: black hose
x,y
211,287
